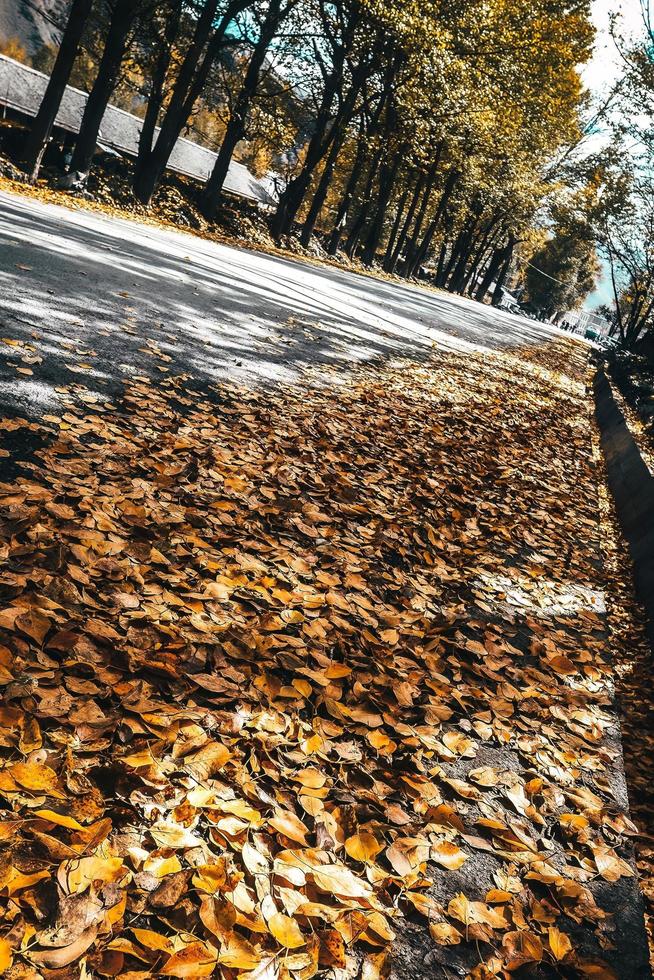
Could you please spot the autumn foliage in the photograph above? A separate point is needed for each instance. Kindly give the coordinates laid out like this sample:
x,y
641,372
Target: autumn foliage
x,y
287,677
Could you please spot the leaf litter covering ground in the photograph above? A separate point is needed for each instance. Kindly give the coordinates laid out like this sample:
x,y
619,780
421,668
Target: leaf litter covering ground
x,y
288,673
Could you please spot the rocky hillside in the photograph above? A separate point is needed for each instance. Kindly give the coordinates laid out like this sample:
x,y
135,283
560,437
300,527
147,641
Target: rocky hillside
x,y
33,22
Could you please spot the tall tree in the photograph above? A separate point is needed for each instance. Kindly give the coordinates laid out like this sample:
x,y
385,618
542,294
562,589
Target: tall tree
x,y
121,20
165,26
563,272
207,40
340,25
41,130
275,14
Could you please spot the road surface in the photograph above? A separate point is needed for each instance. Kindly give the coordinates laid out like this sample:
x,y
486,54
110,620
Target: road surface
x,y
119,298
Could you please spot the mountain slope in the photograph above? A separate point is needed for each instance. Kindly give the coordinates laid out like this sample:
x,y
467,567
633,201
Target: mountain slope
x,y
33,22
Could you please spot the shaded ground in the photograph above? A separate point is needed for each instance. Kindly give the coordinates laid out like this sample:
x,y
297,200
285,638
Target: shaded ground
x,y
300,676
110,288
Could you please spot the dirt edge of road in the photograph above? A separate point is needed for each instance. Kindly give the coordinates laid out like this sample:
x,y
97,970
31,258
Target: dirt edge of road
x,y
632,486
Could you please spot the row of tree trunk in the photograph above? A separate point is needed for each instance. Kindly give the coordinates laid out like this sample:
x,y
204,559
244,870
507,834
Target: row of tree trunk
x,y
480,252
479,255
208,38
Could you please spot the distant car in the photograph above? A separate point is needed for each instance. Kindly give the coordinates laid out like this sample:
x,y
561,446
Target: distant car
x,y
591,334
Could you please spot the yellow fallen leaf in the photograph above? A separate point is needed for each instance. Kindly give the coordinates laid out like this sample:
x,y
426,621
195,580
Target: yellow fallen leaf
x,y
81,872
150,939
239,954
363,847
448,855
162,866
5,956
208,761
285,930
167,833
32,775
60,819
559,943
290,826
444,934
339,880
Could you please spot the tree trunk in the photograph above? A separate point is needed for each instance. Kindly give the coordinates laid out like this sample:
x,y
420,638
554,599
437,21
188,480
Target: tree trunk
x,y
387,177
392,238
489,275
156,98
350,187
291,198
321,191
423,251
481,248
320,143
394,249
479,263
412,250
504,271
369,131
328,171
465,249
452,260
149,175
362,216
39,134
122,18
237,122
375,231
441,262
189,84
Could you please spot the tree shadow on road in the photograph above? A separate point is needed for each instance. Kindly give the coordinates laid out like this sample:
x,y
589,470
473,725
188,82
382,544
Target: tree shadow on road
x,y
131,299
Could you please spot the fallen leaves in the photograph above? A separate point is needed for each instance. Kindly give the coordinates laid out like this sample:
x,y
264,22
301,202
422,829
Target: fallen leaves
x,y
34,776
363,847
279,668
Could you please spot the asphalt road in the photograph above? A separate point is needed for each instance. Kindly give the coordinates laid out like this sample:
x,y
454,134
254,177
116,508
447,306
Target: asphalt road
x,y
102,298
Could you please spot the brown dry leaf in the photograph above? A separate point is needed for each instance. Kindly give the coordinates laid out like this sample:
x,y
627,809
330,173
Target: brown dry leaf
x,y
332,949
171,888
448,855
521,947
250,641
610,866
195,960
208,761
57,957
288,824
239,954
34,624
34,776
